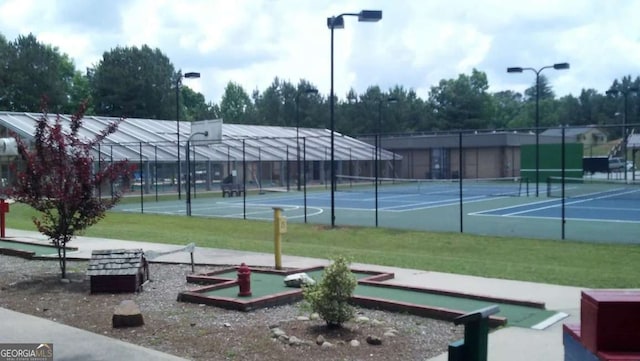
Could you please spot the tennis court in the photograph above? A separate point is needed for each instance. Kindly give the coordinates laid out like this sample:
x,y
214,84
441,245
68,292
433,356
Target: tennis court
x,y
504,207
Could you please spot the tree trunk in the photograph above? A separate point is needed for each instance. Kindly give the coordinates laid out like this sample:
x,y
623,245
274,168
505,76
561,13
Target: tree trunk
x,y
61,246
64,260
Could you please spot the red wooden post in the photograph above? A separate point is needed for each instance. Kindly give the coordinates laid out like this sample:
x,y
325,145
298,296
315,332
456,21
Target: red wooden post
x,y
4,208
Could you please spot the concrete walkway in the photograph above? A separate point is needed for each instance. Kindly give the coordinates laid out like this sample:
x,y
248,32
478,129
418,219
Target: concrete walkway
x,y
70,343
504,345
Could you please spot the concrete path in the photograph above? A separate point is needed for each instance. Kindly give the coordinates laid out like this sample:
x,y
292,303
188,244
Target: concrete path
x,y
504,345
70,343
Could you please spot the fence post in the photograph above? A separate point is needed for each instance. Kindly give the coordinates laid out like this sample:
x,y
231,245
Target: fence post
x,y
460,180
141,183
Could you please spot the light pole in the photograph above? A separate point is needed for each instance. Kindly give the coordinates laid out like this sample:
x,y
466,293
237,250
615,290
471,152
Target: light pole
x,y
187,150
189,75
378,145
301,91
337,22
625,93
558,66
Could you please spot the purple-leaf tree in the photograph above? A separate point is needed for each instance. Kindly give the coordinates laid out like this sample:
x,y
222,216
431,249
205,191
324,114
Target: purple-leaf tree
x,y
58,177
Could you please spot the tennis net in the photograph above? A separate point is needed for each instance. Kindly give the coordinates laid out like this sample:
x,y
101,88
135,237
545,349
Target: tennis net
x,y
594,188
509,186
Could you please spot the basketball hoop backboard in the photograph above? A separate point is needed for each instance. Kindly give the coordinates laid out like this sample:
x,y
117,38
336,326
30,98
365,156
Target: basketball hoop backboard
x,y
213,127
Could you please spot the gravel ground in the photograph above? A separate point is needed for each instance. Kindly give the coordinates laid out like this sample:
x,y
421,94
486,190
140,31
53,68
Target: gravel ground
x,y
199,332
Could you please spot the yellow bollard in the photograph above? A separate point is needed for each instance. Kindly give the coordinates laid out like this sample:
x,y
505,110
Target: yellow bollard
x,y
279,227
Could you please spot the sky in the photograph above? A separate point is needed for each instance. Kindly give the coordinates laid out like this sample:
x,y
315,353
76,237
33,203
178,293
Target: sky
x,y
417,43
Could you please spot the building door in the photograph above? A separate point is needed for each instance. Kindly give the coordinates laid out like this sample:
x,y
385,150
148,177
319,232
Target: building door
x,y
440,167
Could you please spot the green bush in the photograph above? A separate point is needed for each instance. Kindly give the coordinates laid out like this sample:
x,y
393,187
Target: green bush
x,y
330,297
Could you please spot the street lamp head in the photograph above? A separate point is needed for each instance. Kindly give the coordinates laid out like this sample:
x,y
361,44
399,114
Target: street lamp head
x,y
634,89
392,100
311,91
514,69
192,75
612,92
335,22
370,15
561,66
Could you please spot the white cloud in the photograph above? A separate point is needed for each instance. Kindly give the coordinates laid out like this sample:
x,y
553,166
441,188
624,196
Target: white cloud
x,y
416,44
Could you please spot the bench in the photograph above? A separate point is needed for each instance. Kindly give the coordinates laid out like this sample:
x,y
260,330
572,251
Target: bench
x,y
231,189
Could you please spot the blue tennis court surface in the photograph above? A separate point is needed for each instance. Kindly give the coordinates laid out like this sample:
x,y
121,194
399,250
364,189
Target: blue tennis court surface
x,y
602,207
505,209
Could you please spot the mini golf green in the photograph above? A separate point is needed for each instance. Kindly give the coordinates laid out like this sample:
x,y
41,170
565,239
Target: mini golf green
x,y
26,248
520,316
270,286
265,284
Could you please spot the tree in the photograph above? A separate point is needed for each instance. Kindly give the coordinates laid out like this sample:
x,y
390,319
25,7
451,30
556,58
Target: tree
x,y
194,106
270,104
4,73
33,70
408,114
312,111
462,103
59,179
594,107
79,93
136,83
546,91
569,111
236,106
507,105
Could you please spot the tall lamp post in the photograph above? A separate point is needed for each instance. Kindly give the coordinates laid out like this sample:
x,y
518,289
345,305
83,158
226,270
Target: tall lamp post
x,y
189,75
187,150
625,93
378,144
337,22
558,66
301,91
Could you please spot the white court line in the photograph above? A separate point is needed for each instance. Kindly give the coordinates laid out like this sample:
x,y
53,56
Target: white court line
x,y
568,203
285,208
557,218
510,207
452,203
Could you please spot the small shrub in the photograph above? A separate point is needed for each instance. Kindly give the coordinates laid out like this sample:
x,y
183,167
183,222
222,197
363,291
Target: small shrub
x,y
330,297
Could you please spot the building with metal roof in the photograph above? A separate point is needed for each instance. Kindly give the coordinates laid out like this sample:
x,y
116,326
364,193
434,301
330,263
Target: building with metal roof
x,y
271,152
266,143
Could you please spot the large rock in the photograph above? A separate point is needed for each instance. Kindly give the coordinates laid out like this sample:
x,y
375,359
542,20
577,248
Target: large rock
x,y
127,314
298,279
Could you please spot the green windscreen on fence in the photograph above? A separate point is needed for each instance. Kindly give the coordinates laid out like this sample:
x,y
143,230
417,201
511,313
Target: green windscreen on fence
x,y
550,163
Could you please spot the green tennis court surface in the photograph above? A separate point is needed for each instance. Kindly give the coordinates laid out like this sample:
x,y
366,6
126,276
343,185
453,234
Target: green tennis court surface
x,y
266,284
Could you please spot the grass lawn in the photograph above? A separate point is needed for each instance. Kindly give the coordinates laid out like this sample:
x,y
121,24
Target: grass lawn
x,y
553,261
